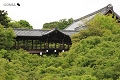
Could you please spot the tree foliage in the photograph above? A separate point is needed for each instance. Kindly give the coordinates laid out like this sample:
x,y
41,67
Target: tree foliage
x,y
6,37
25,24
4,19
99,26
20,24
91,57
61,24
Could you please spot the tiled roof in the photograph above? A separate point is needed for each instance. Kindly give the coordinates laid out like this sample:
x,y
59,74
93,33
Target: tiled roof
x,y
80,22
39,32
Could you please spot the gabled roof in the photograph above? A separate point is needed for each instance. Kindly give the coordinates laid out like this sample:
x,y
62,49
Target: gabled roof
x,y
39,32
80,22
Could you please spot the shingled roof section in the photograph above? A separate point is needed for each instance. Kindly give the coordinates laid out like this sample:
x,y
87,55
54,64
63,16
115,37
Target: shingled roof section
x,y
39,32
78,24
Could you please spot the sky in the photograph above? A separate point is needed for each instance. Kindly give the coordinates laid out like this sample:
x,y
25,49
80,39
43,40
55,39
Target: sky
x,y
38,12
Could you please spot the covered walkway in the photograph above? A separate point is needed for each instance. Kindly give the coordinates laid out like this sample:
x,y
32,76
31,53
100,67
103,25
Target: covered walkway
x,y
43,41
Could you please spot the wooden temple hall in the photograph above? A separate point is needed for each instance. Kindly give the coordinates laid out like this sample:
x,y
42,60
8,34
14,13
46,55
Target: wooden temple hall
x,y
55,41
43,41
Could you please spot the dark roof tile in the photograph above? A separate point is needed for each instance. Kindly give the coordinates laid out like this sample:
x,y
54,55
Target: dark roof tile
x,y
79,22
39,32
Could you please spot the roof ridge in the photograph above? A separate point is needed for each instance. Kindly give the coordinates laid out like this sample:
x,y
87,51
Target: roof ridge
x,y
29,29
109,6
68,30
106,7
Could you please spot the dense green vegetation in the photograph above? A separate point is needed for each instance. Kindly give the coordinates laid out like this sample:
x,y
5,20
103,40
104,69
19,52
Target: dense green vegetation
x,y
61,24
94,55
6,37
20,24
4,19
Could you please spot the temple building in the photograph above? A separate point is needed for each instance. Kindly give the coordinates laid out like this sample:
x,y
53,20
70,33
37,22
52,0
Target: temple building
x,y
43,41
79,24
54,41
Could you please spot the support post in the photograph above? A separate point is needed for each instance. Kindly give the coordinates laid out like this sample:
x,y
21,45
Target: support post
x,y
40,44
68,45
55,44
27,45
35,44
47,44
32,44
63,43
44,44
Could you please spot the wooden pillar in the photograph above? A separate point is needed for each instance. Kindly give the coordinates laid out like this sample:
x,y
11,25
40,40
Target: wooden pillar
x,y
60,44
55,44
68,45
36,44
32,44
47,43
44,44
27,45
63,43
40,44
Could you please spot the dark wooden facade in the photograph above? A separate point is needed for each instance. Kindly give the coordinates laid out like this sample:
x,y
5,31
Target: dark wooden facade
x,y
44,42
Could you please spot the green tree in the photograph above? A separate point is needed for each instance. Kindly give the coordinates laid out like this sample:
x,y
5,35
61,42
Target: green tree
x,y
100,25
25,24
4,19
14,24
20,24
61,24
6,38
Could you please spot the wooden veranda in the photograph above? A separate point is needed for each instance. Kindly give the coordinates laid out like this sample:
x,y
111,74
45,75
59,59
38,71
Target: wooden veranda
x,y
43,41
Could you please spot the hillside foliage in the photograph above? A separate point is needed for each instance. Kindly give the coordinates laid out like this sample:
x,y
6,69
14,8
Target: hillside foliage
x,y
94,55
4,19
6,37
61,24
